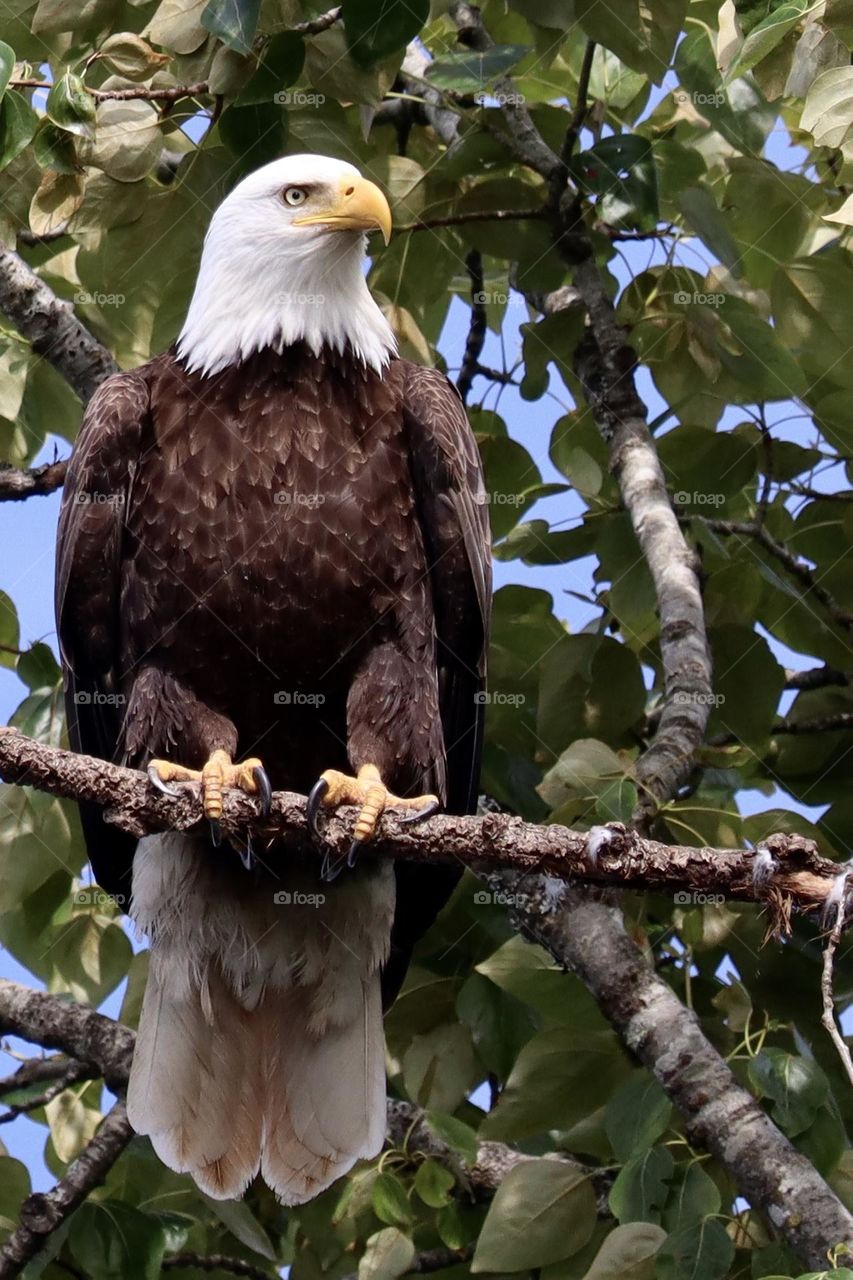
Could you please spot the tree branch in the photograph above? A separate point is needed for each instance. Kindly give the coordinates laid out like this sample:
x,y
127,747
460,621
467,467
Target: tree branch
x,y
217,1262
719,1114
51,326
476,326
41,1214
610,855
17,483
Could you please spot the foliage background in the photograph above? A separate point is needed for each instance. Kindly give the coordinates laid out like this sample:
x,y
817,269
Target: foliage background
x,y
717,144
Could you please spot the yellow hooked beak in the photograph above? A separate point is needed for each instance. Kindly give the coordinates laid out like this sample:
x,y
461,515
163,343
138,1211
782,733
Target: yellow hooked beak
x,y
358,206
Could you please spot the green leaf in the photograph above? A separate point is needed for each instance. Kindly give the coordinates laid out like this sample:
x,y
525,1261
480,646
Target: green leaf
x,y
703,215
55,148
10,635
544,1210
377,28
234,22
459,1136
7,65
38,668
693,1197
71,107
128,55
628,1253
621,170
14,1189
642,1186
828,111
764,38
388,1254
280,66
390,1202
254,134
701,1252
465,72
242,1223
18,123
636,1116
434,1184
109,1239
795,1085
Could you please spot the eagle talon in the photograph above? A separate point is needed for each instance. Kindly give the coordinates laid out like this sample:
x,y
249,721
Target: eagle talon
x,y
422,814
156,781
262,782
312,809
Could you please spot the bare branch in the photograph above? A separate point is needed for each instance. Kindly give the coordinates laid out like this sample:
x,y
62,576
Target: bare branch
x,y
611,855
74,1072
41,1213
51,326
17,484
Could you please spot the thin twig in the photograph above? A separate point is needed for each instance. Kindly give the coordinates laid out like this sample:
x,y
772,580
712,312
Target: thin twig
x,y
476,325
473,215
579,113
828,1014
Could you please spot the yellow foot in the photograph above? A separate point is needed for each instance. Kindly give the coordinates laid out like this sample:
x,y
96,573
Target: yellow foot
x,y
218,774
369,792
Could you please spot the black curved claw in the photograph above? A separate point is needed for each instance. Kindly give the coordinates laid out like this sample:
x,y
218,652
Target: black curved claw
x,y
422,814
319,789
262,782
215,832
247,855
331,867
354,850
156,781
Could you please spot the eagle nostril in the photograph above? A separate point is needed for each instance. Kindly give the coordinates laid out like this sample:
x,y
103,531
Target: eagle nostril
x,y
349,191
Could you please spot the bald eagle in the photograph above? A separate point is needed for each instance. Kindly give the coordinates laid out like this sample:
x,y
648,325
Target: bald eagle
x,y
274,571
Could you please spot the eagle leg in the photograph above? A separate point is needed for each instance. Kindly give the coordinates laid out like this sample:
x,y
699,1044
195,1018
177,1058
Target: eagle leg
x,y
218,774
368,791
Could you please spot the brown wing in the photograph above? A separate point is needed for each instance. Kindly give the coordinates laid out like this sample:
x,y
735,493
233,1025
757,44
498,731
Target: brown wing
x,y
451,502
97,493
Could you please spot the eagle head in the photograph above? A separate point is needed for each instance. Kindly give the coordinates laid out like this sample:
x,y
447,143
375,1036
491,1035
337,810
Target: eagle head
x,y
283,262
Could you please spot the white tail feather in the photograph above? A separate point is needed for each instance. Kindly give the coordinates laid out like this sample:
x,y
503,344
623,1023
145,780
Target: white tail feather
x,y
260,1045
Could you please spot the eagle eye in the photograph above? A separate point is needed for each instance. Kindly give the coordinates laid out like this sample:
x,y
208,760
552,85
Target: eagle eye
x,y
294,196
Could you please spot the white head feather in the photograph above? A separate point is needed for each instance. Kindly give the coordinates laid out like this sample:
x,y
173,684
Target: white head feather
x,y
266,281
